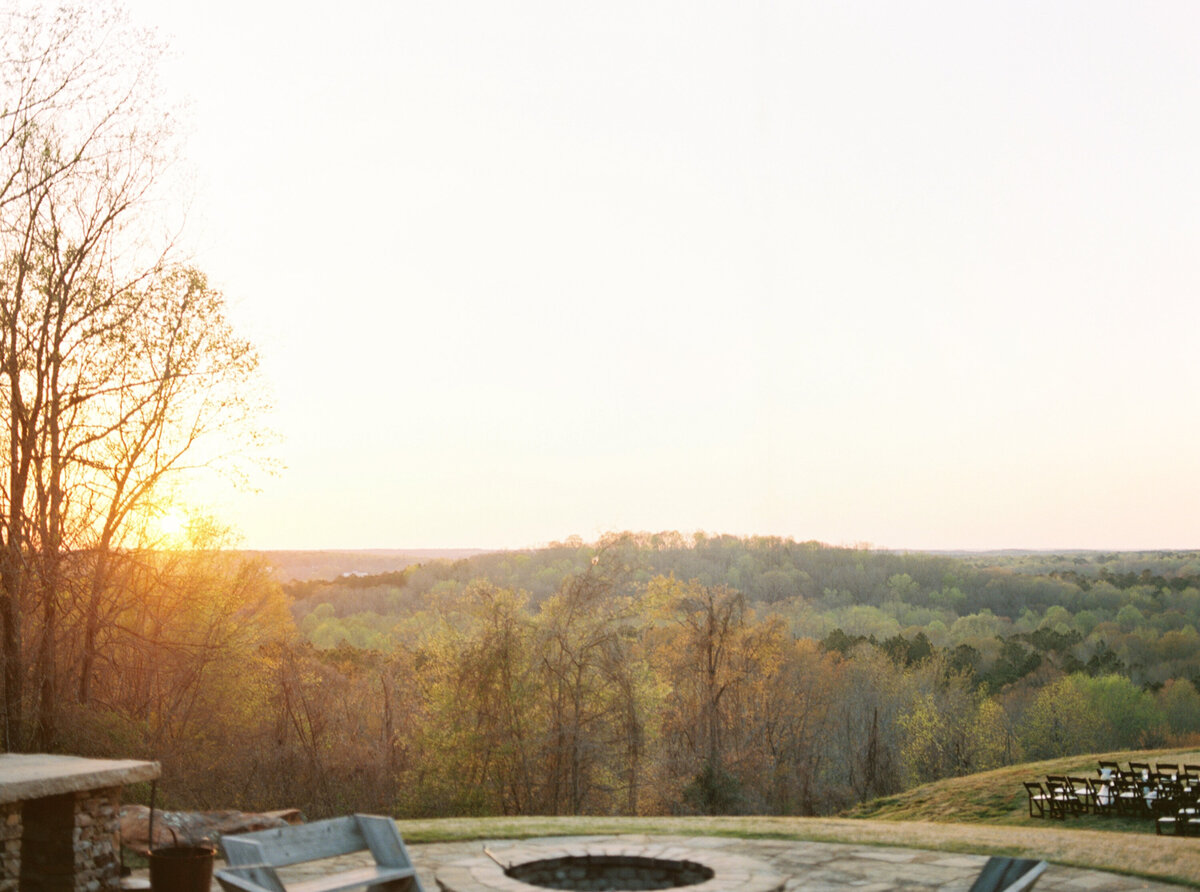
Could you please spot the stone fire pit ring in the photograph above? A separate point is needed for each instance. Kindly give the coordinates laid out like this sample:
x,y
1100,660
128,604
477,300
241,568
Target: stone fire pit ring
x,y
591,867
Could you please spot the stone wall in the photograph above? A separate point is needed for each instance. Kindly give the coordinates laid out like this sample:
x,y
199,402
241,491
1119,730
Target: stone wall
x,y
97,839
10,846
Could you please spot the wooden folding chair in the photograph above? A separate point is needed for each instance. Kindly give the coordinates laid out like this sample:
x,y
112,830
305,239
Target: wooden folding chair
x,y
1063,794
1039,799
1113,769
1103,796
1181,822
1081,787
1131,797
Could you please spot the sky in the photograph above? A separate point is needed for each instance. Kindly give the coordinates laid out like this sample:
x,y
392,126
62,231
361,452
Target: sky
x,y
919,275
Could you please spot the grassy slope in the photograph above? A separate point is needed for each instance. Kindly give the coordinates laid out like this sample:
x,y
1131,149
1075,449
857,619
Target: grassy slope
x,y
997,797
982,813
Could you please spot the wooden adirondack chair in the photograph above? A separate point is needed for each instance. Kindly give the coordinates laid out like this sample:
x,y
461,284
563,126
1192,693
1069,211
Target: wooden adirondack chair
x,y
1008,875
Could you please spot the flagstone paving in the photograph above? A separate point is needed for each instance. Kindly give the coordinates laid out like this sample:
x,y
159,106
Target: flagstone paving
x,y
815,866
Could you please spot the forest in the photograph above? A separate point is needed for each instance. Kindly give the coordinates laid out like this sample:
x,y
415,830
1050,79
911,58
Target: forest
x,y
631,676
1130,613
714,674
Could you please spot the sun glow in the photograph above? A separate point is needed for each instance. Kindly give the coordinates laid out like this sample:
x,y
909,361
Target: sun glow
x,y
172,524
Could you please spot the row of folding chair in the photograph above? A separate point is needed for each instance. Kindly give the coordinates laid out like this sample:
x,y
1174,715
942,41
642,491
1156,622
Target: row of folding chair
x,y
1145,771
1175,788
1166,787
1058,796
1062,795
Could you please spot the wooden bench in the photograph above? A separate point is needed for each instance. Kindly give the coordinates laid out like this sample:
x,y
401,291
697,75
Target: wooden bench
x,y
254,857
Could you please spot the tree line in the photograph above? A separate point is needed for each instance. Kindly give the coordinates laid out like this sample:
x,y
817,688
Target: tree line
x,y
624,690
609,696
1005,615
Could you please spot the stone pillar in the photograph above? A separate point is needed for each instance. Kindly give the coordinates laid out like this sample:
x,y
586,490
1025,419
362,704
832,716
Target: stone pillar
x,y
71,843
47,850
10,846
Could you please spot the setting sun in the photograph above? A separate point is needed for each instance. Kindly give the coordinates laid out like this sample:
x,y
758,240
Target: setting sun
x,y
172,523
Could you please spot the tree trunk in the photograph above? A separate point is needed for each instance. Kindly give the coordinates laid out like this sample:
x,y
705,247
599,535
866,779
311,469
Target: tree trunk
x,y
10,617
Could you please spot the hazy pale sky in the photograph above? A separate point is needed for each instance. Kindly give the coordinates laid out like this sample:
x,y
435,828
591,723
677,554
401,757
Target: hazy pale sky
x,y
923,275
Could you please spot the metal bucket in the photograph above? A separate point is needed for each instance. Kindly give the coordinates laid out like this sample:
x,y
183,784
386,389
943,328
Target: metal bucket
x,y
177,868
181,869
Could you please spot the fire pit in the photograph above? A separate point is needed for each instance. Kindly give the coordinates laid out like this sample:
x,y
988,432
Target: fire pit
x,y
606,873
608,867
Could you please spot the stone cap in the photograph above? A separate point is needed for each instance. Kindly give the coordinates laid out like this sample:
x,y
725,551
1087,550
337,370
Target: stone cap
x,y
37,775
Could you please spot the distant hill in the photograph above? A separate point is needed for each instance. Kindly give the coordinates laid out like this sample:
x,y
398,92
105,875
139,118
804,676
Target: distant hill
x,y
302,566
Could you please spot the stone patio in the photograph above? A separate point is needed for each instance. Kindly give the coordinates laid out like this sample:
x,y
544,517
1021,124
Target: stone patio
x,y
815,866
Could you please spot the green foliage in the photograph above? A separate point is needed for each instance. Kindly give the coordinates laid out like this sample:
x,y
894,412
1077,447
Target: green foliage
x,y
1104,661
1062,720
1100,612
1129,716
909,651
714,791
1014,662
839,641
1129,618
1179,703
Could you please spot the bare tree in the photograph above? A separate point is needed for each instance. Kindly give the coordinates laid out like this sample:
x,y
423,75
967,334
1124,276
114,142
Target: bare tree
x,y
116,364
594,714
711,650
181,378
